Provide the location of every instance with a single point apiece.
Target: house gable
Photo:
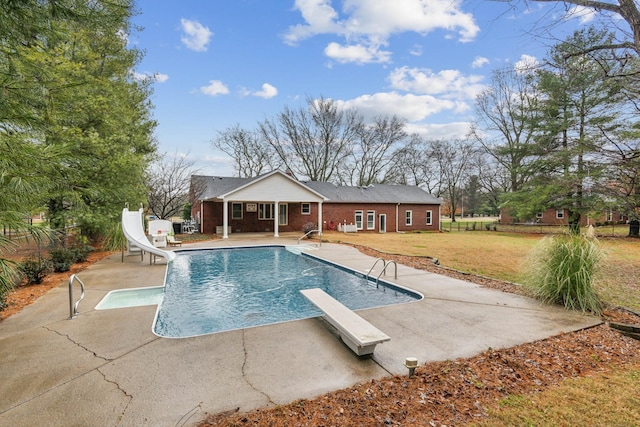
(275, 186)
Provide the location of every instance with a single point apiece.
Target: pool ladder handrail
(307, 236)
(73, 307)
(385, 264)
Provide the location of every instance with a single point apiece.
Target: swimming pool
(215, 290)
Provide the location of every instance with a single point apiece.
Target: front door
(383, 223)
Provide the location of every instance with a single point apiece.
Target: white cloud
(409, 106)
(196, 36)
(450, 84)
(359, 54)
(526, 64)
(215, 87)
(416, 50)
(158, 77)
(583, 14)
(267, 91)
(453, 130)
(479, 62)
(370, 24)
(320, 17)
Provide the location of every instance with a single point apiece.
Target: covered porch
(271, 203)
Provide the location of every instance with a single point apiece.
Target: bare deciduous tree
(412, 165)
(251, 155)
(313, 142)
(626, 9)
(507, 121)
(373, 153)
(168, 183)
(454, 160)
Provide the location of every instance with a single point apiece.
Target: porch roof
(268, 187)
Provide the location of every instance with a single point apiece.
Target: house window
(539, 215)
(429, 217)
(306, 209)
(282, 216)
(559, 213)
(266, 211)
(236, 211)
(371, 220)
(358, 220)
(407, 218)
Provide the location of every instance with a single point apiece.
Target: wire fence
(607, 230)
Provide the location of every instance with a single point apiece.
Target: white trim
(225, 219)
(233, 212)
(276, 220)
(373, 219)
(382, 229)
(261, 212)
(286, 205)
(355, 219)
(320, 218)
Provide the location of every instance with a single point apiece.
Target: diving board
(358, 334)
(134, 232)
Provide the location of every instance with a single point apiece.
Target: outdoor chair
(172, 241)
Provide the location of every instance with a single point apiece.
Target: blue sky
(218, 63)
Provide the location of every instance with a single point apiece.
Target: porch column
(319, 218)
(276, 221)
(225, 219)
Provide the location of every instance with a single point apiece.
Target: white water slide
(134, 232)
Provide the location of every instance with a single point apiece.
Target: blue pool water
(215, 290)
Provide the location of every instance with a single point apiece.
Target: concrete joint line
(244, 377)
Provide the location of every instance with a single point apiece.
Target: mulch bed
(25, 294)
(457, 392)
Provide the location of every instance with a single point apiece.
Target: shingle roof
(374, 193)
(216, 186)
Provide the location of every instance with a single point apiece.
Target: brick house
(276, 202)
(561, 217)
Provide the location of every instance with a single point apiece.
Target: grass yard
(503, 256)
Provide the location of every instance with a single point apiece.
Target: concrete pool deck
(106, 367)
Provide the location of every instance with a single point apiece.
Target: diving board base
(358, 334)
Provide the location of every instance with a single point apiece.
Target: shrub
(563, 270)
(8, 276)
(309, 226)
(62, 259)
(34, 269)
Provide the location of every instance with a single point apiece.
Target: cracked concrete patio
(106, 367)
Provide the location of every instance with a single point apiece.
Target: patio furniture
(172, 241)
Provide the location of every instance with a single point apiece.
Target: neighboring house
(276, 202)
(561, 217)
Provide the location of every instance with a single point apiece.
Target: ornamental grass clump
(563, 270)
